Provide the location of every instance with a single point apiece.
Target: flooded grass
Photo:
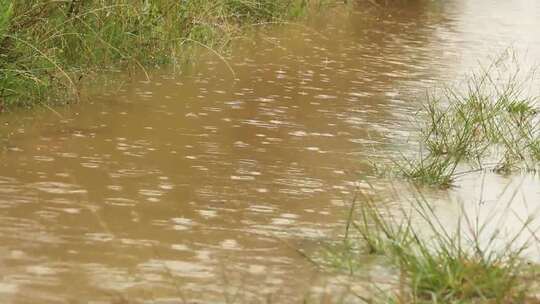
(430, 170)
(493, 125)
(48, 47)
(434, 264)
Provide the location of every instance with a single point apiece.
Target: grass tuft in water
(491, 126)
(435, 265)
(435, 170)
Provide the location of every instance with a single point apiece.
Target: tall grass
(435, 264)
(48, 47)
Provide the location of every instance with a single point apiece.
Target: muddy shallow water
(205, 188)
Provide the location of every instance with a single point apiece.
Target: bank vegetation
(49, 48)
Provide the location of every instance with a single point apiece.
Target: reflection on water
(200, 187)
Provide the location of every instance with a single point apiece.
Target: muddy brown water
(201, 188)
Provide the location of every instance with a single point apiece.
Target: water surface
(207, 185)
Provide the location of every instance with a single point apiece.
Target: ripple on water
(42, 158)
(29, 232)
(40, 270)
(182, 223)
(110, 278)
(120, 201)
(9, 186)
(261, 208)
(298, 182)
(133, 173)
(57, 188)
(282, 221)
(242, 177)
(177, 268)
(180, 247)
(151, 193)
(98, 237)
(8, 288)
(230, 244)
(207, 214)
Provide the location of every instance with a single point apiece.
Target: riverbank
(49, 49)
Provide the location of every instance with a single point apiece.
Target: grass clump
(492, 125)
(433, 170)
(436, 265)
(48, 47)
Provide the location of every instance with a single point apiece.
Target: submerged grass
(48, 47)
(434, 264)
(491, 126)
